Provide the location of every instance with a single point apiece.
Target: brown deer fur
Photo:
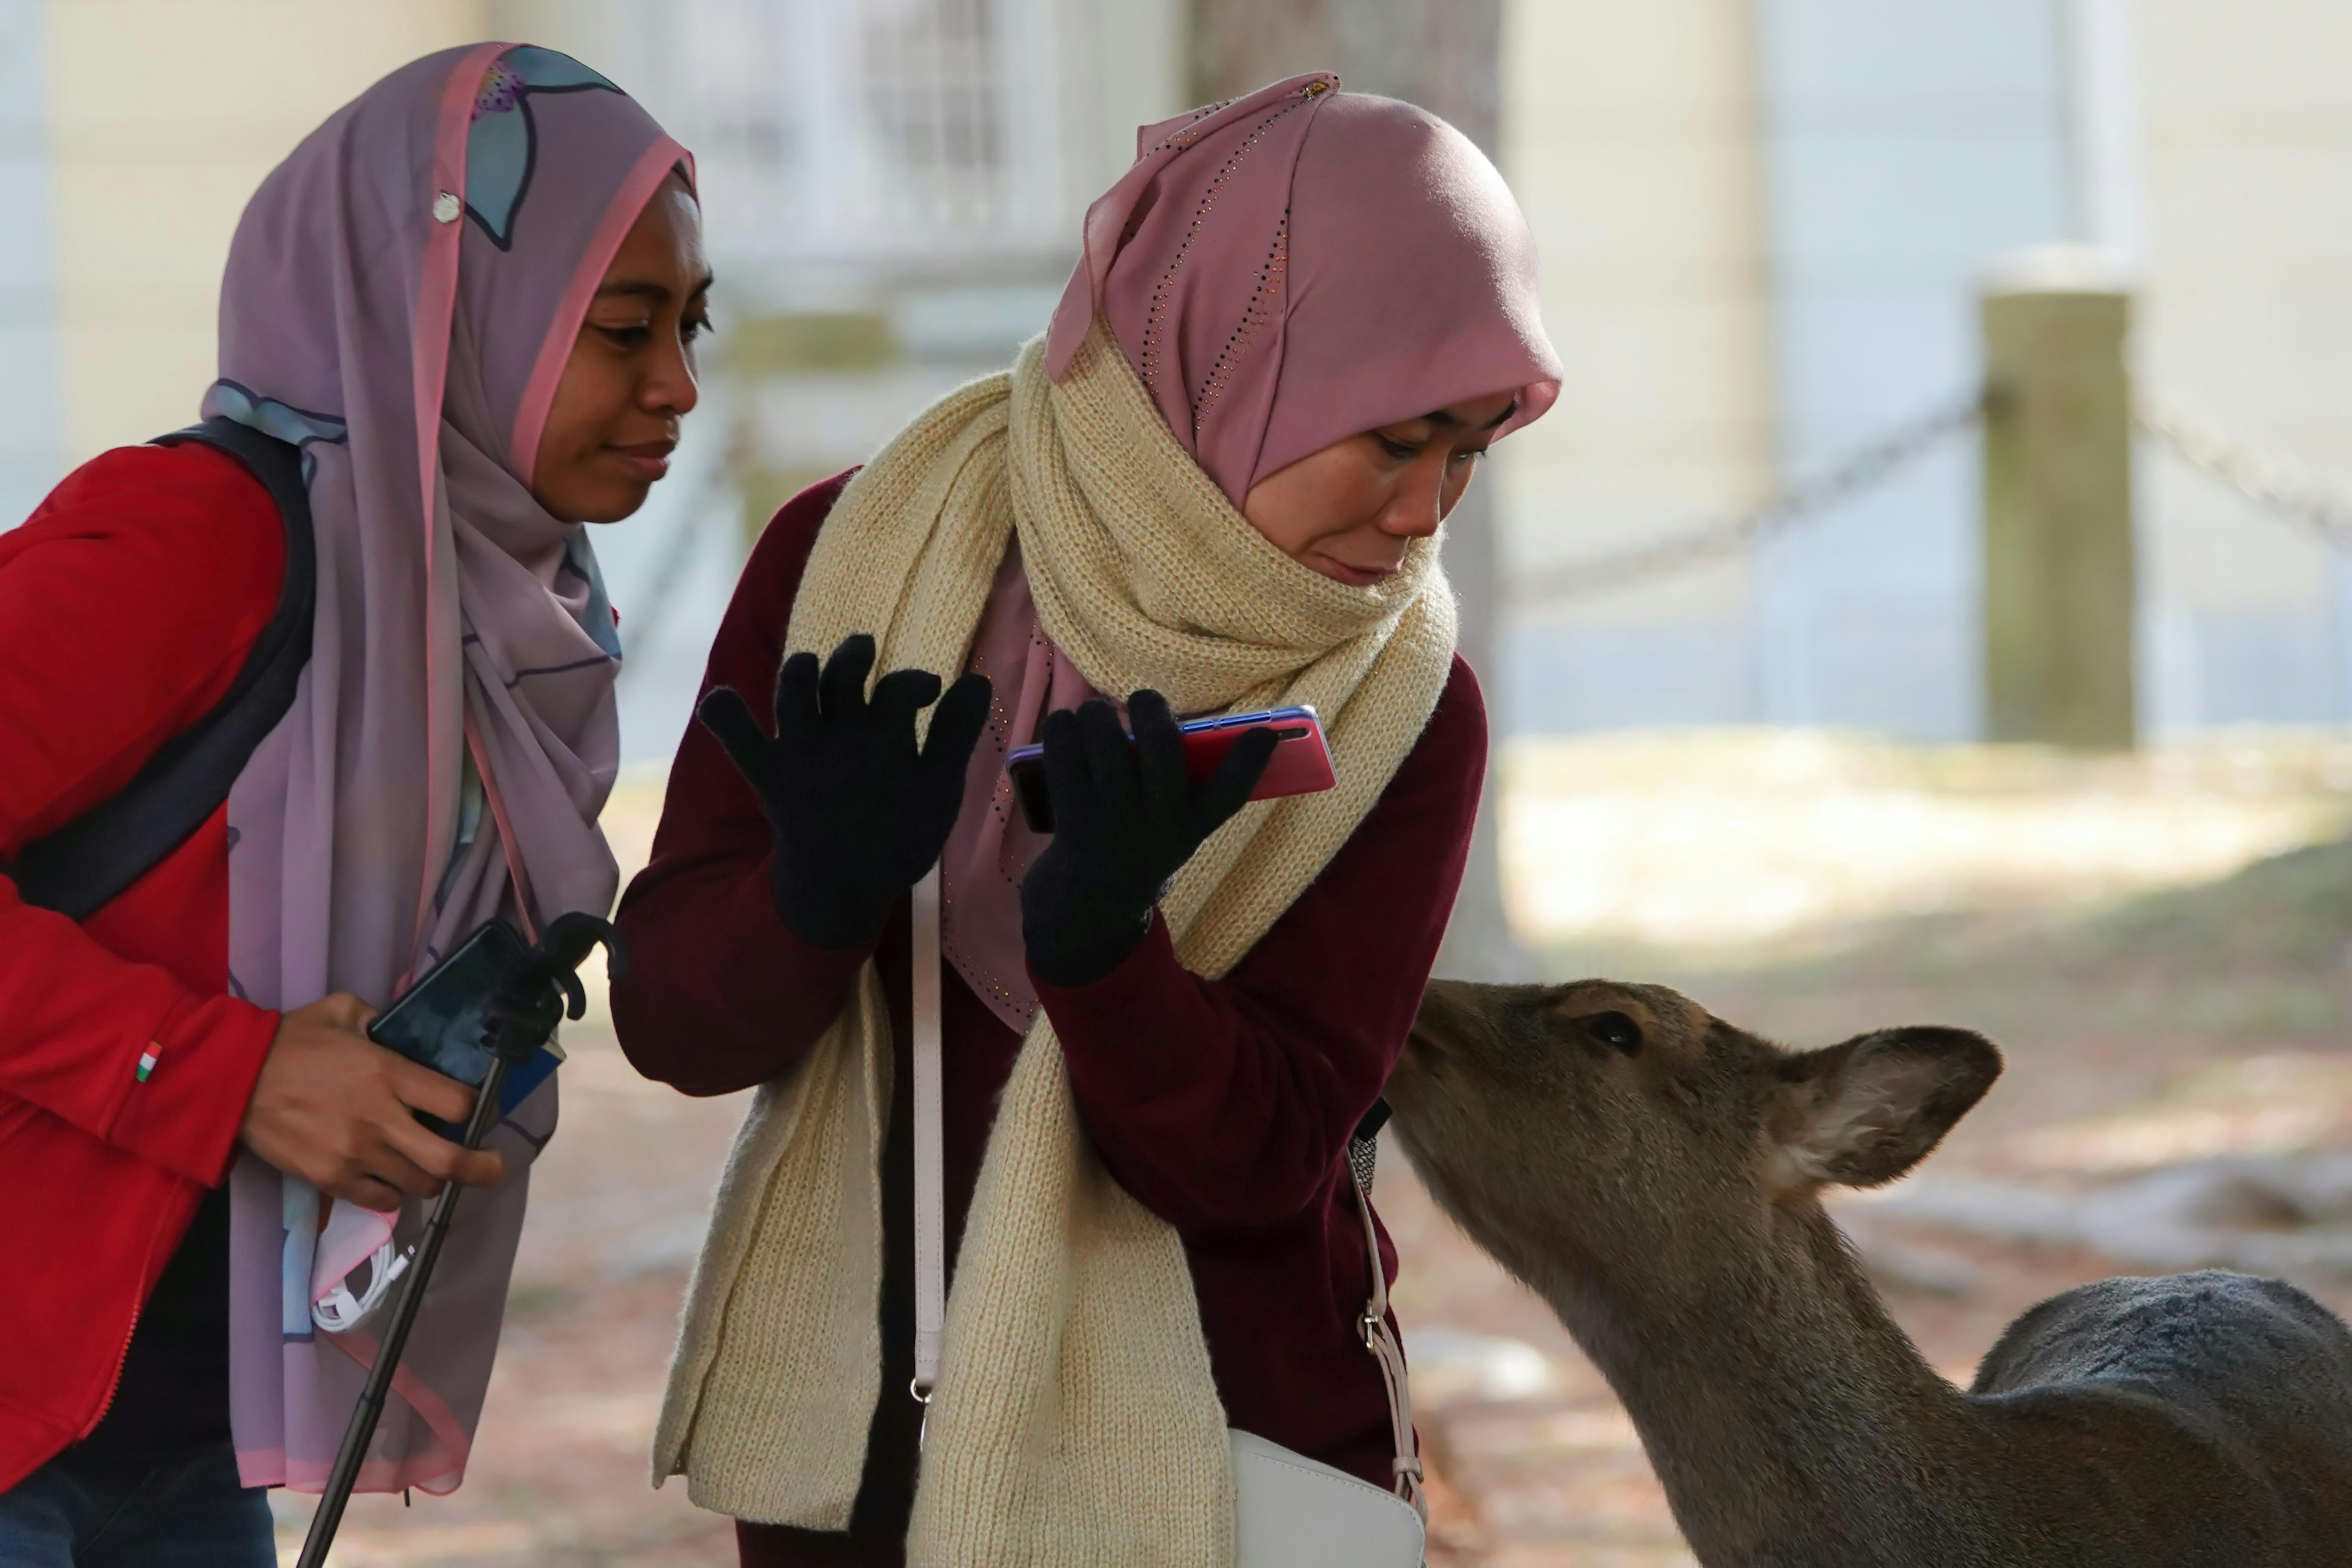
(1654, 1173)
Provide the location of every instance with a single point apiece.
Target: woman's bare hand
(333, 1107)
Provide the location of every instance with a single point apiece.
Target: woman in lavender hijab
(470, 298)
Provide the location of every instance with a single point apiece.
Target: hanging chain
(2281, 486)
(1864, 469)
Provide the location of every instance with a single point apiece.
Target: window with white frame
(885, 131)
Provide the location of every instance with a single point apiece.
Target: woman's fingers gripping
(1069, 784)
(420, 1160)
(1110, 762)
(1228, 789)
(1166, 788)
(421, 1089)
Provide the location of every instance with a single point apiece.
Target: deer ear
(1863, 1112)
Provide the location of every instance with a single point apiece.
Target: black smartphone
(439, 1021)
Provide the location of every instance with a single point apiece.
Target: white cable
(338, 1311)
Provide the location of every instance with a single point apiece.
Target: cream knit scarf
(1075, 1423)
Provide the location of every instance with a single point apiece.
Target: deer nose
(1445, 1005)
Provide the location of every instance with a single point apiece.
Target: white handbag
(1290, 1512)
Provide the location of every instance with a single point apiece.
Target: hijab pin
(446, 207)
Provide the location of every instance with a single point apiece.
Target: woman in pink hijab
(1329, 299)
(469, 299)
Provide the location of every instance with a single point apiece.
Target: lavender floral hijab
(400, 298)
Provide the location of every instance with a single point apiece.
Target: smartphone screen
(1301, 763)
(440, 1021)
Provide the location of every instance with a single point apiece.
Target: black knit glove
(1126, 819)
(859, 813)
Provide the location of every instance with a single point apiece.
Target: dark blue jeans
(89, 1510)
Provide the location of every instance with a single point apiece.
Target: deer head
(1617, 1143)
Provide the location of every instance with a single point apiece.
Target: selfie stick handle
(531, 1004)
(362, 1431)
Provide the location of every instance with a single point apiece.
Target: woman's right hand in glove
(1127, 816)
(859, 812)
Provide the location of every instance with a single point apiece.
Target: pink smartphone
(1301, 763)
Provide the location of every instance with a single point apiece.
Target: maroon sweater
(1223, 1106)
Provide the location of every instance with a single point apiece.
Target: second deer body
(1654, 1173)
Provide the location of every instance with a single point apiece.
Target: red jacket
(1226, 1107)
(128, 602)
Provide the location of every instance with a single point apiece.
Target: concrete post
(2059, 576)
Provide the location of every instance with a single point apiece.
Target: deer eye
(1616, 1031)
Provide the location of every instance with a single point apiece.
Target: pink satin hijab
(1282, 271)
(1304, 264)
(990, 848)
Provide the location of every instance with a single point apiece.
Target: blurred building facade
(895, 191)
(1762, 224)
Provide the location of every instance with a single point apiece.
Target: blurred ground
(2162, 945)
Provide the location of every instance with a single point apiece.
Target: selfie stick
(529, 1005)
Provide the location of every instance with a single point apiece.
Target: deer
(1656, 1175)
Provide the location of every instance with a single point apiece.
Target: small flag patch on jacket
(147, 1059)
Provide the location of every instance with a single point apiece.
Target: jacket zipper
(8, 1125)
(114, 1383)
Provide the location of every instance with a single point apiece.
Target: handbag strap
(930, 1216)
(1381, 1340)
(930, 1207)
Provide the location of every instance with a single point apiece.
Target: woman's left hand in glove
(859, 810)
(1126, 819)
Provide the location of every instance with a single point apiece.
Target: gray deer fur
(1654, 1173)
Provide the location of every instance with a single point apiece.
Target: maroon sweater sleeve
(128, 604)
(1229, 1102)
(722, 995)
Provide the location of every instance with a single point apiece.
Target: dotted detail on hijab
(1155, 323)
(1189, 132)
(1253, 319)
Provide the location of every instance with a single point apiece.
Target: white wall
(162, 116)
(1628, 134)
(1762, 227)
(31, 429)
(2246, 180)
(1908, 143)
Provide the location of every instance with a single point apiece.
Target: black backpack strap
(82, 866)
